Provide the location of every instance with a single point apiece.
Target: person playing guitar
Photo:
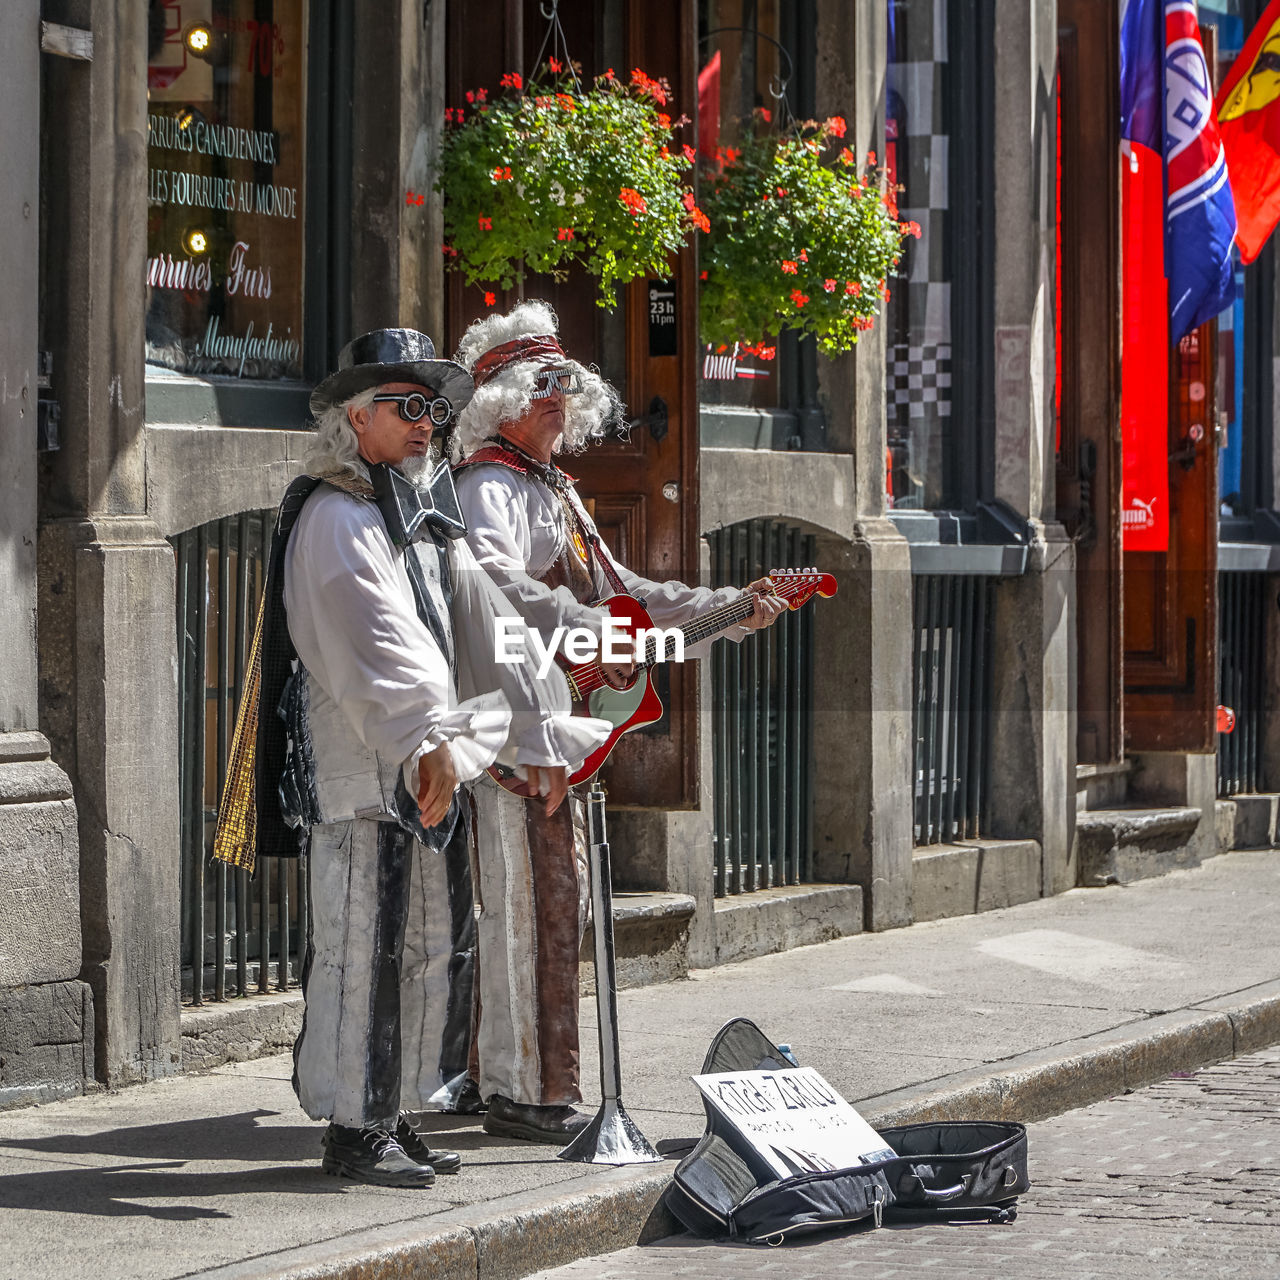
(529, 530)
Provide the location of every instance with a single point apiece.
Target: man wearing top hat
(378, 648)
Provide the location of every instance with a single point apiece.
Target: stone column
(46, 1011)
(108, 646)
(398, 108)
(863, 807)
(1033, 691)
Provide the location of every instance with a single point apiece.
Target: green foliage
(556, 177)
(797, 240)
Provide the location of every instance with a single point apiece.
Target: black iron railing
(951, 686)
(239, 935)
(762, 722)
(1242, 599)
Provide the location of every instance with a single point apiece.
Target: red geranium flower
(485, 224)
(788, 267)
(799, 298)
(564, 233)
(556, 65)
(512, 80)
(633, 201)
(490, 299)
(836, 126)
(829, 286)
(648, 86)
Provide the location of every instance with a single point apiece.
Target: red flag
(1248, 108)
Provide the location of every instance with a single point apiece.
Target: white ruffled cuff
(564, 740)
(475, 731)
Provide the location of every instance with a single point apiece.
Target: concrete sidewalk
(1021, 1013)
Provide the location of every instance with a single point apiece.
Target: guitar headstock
(796, 586)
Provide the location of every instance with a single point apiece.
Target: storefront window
(918, 333)
(225, 229)
(756, 66)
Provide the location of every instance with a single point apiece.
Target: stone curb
(533, 1231)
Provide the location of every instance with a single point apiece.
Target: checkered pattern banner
(919, 315)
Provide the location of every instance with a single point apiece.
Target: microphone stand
(612, 1137)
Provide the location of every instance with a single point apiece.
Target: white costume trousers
(532, 889)
(388, 975)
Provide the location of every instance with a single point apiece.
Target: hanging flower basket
(556, 177)
(798, 240)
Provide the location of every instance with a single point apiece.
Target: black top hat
(392, 355)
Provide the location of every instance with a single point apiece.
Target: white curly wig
(336, 446)
(507, 396)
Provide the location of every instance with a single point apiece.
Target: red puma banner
(1248, 108)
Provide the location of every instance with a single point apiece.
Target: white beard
(418, 469)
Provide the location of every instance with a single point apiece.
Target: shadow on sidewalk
(111, 1191)
(233, 1137)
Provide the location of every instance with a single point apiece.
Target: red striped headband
(495, 360)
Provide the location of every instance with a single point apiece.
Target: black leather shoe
(416, 1149)
(468, 1102)
(507, 1119)
(373, 1156)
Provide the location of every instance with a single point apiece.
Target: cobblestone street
(1179, 1179)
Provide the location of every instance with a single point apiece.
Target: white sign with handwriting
(794, 1119)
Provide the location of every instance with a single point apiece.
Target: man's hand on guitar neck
(769, 607)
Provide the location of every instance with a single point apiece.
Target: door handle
(655, 420)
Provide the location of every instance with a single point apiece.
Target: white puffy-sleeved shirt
(354, 623)
(516, 528)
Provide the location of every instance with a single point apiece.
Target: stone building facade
(922, 469)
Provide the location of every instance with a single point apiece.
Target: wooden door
(1088, 455)
(642, 486)
(1170, 598)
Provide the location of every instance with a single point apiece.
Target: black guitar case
(940, 1171)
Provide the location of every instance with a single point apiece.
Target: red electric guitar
(638, 704)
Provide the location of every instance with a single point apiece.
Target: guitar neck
(703, 628)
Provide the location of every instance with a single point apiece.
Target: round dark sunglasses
(414, 406)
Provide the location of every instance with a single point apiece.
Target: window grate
(762, 726)
(951, 682)
(1241, 679)
(239, 935)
